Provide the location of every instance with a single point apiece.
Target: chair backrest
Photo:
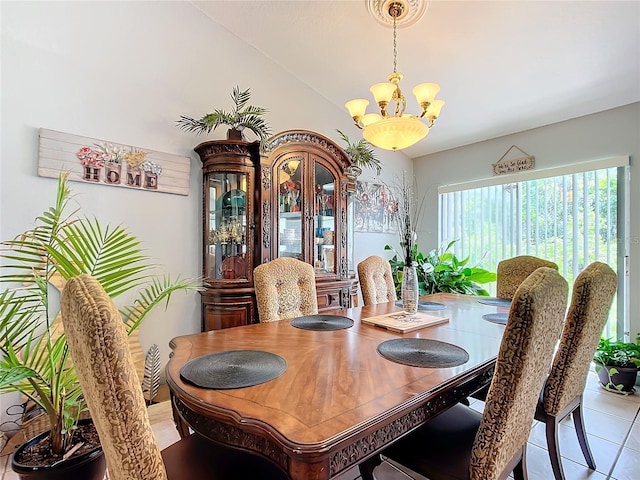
(285, 288)
(593, 292)
(376, 280)
(99, 349)
(512, 272)
(524, 357)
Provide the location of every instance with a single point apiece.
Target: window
(570, 215)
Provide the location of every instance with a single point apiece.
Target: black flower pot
(617, 379)
(88, 466)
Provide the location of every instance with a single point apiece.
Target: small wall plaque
(506, 166)
(113, 164)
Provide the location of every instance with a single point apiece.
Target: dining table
(336, 400)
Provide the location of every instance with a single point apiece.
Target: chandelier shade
(395, 129)
(395, 133)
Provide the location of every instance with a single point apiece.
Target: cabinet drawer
(329, 300)
(224, 309)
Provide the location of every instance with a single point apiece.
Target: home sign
(112, 164)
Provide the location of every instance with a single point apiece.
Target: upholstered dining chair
(285, 288)
(593, 292)
(376, 280)
(461, 443)
(99, 349)
(511, 272)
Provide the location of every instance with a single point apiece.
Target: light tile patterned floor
(612, 422)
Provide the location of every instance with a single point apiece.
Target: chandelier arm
(383, 109)
(401, 102)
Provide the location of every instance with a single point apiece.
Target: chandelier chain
(395, 47)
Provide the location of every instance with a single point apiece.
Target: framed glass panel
(227, 227)
(324, 221)
(290, 208)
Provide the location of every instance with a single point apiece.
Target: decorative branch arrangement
(408, 215)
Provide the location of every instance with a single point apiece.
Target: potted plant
(34, 358)
(361, 154)
(442, 271)
(242, 116)
(617, 364)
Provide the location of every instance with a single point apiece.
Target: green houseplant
(361, 154)
(441, 271)
(34, 358)
(617, 364)
(242, 116)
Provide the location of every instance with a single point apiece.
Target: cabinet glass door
(227, 227)
(324, 221)
(290, 208)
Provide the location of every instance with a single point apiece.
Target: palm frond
(19, 315)
(252, 110)
(158, 291)
(110, 254)
(239, 98)
(191, 125)
(361, 153)
(13, 375)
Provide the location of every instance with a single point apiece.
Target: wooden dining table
(339, 401)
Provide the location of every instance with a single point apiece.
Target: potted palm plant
(361, 154)
(241, 117)
(34, 358)
(617, 364)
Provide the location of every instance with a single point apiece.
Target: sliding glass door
(571, 219)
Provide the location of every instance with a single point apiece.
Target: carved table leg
(181, 425)
(367, 467)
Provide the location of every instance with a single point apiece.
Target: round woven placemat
(426, 305)
(496, 302)
(500, 318)
(423, 352)
(322, 322)
(233, 369)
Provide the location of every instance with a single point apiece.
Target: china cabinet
(306, 211)
(293, 199)
(229, 228)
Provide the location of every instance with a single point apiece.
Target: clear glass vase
(410, 289)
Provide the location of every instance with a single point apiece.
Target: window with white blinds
(571, 215)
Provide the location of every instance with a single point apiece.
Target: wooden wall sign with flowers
(107, 163)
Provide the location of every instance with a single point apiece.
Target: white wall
(124, 72)
(601, 135)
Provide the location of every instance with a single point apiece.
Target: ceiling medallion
(412, 11)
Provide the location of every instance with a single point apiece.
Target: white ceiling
(503, 66)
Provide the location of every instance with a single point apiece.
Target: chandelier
(396, 130)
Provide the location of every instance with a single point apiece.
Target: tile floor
(612, 422)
